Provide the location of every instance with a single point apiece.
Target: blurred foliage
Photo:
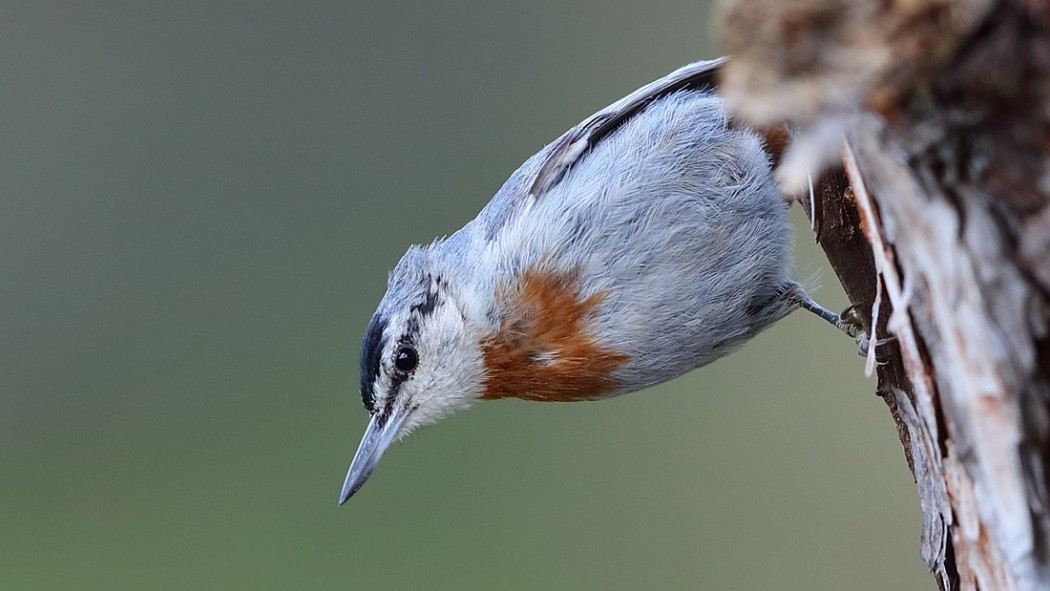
(198, 207)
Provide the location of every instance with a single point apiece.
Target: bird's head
(420, 358)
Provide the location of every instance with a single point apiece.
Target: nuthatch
(645, 242)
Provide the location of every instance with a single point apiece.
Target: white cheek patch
(450, 368)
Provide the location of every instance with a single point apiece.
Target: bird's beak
(378, 436)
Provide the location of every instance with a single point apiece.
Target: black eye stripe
(427, 305)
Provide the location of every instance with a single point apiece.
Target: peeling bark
(931, 122)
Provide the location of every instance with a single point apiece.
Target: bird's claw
(850, 322)
(864, 347)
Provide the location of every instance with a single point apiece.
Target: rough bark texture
(931, 122)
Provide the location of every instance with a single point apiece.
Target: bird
(645, 242)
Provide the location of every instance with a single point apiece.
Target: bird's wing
(569, 148)
(546, 168)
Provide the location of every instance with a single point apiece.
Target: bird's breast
(544, 348)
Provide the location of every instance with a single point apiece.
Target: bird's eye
(406, 358)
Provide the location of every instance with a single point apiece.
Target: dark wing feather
(576, 142)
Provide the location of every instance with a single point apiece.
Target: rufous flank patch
(543, 350)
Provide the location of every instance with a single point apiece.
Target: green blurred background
(198, 206)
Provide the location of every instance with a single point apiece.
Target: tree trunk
(931, 122)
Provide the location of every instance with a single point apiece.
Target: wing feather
(569, 148)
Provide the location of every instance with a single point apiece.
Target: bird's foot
(849, 322)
